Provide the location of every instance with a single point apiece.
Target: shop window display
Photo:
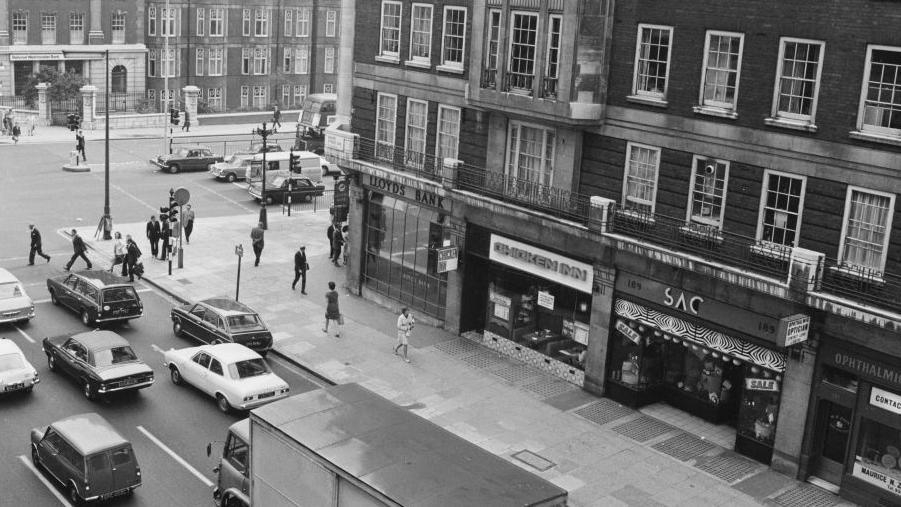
(878, 454)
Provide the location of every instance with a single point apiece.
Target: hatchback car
(16, 373)
(233, 374)
(87, 456)
(15, 305)
(102, 362)
(187, 158)
(222, 320)
(97, 296)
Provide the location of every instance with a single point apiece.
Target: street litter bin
(73, 157)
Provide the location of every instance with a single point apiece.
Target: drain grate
(516, 373)
(483, 360)
(683, 446)
(728, 466)
(535, 461)
(459, 347)
(604, 411)
(806, 496)
(547, 387)
(643, 429)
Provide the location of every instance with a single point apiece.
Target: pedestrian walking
(79, 249)
(16, 133)
(345, 235)
(337, 246)
(186, 125)
(153, 235)
(133, 259)
(35, 245)
(79, 145)
(165, 234)
(118, 253)
(300, 269)
(276, 117)
(405, 324)
(31, 125)
(187, 218)
(332, 312)
(330, 234)
(256, 237)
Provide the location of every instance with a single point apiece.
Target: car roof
(8, 346)
(6, 276)
(100, 278)
(229, 352)
(100, 340)
(88, 433)
(227, 306)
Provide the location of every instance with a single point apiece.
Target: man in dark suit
(300, 269)
(35, 245)
(330, 234)
(79, 248)
(79, 145)
(153, 235)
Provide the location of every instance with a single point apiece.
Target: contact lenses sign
(885, 400)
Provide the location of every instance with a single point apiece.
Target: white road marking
(41, 301)
(208, 483)
(28, 464)
(24, 334)
(218, 194)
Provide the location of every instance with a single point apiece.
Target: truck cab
(233, 485)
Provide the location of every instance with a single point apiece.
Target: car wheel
(53, 298)
(173, 169)
(222, 403)
(51, 362)
(74, 497)
(88, 391)
(35, 458)
(176, 328)
(308, 197)
(175, 375)
(230, 177)
(86, 318)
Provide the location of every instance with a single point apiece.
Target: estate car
(222, 320)
(97, 296)
(16, 373)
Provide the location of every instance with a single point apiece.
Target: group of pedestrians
(338, 243)
(129, 255)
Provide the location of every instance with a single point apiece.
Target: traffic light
(295, 163)
(173, 116)
(169, 213)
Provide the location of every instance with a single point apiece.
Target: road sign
(182, 196)
(447, 259)
(239, 250)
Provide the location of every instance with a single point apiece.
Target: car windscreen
(11, 361)
(278, 181)
(248, 368)
(114, 355)
(119, 294)
(10, 290)
(244, 322)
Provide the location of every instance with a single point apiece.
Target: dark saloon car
(102, 362)
(279, 186)
(97, 296)
(222, 320)
(187, 158)
(87, 456)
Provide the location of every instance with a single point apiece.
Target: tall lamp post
(264, 133)
(107, 217)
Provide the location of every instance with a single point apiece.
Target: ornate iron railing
(489, 78)
(862, 284)
(549, 88)
(519, 83)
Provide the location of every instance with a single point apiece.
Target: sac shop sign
(543, 263)
(423, 197)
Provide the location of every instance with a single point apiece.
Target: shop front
(530, 303)
(856, 439)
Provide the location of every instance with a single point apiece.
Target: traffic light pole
(107, 216)
(263, 133)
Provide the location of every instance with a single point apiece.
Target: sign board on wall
(627, 331)
(885, 400)
(546, 299)
(447, 259)
(540, 262)
(874, 475)
(762, 384)
(792, 330)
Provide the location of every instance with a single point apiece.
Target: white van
(312, 165)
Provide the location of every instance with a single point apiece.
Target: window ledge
(449, 68)
(791, 124)
(716, 111)
(872, 277)
(417, 63)
(387, 59)
(636, 216)
(649, 101)
(710, 234)
(772, 251)
(874, 137)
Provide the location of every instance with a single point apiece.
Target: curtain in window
(866, 229)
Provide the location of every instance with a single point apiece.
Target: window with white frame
(303, 22)
(492, 42)
(166, 100)
(300, 93)
(523, 47)
(722, 67)
(286, 95)
(707, 198)
(151, 62)
(287, 59)
(246, 55)
(797, 80)
(167, 63)
(151, 94)
(866, 230)
(167, 25)
(48, 28)
(20, 27)
(151, 20)
(216, 62)
(261, 23)
(552, 65)
(421, 33)
(385, 126)
(417, 122)
(302, 60)
(448, 140)
(199, 61)
(331, 23)
(781, 204)
(328, 88)
(260, 61)
(260, 99)
(640, 179)
(245, 96)
(201, 21)
(328, 66)
(454, 38)
(214, 99)
(530, 153)
(289, 22)
(217, 22)
(652, 56)
(245, 22)
(389, 40)
(76, 28)
(880, 101)
(117, 26)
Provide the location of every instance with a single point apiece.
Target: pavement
(604, 454)
(56, 134)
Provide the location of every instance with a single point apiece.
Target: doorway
(833, 431)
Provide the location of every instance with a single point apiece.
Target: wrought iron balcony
(549, 88)
(518, 83)
(397, 158)
(489, 78)
(862, 284)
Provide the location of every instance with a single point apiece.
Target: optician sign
(540, 262)
(877, 476)
(885, 400)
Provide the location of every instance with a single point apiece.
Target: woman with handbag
(332, 312)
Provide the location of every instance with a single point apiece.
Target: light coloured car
(16, 373)
(235, 375)
(232, 168)
(15, 305)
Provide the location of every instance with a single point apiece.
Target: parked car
(15, 305)
(87, 456)
(187, 158)
(232, 373)
(271, 147)
(278, 187)
(222, 320)
(97, 296)
(101, 361)
(234, 167)
(16, 373)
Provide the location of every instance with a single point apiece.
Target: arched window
(118, 79)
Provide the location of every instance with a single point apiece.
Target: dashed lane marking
(222, 196)
(24, 335)
(208, 483)
(37, 473)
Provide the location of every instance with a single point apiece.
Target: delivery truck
(344, 446)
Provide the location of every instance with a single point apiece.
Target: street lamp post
(264, 133)
(107, 216)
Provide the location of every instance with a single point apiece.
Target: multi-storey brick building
(244, 56)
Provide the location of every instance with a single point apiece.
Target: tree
(63, 86)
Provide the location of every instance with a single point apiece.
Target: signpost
(239, 251)
(182, 196)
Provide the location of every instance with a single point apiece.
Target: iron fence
(862, 284)
(125, 103)
(312, 204)
(15, 101)
(420, 164)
